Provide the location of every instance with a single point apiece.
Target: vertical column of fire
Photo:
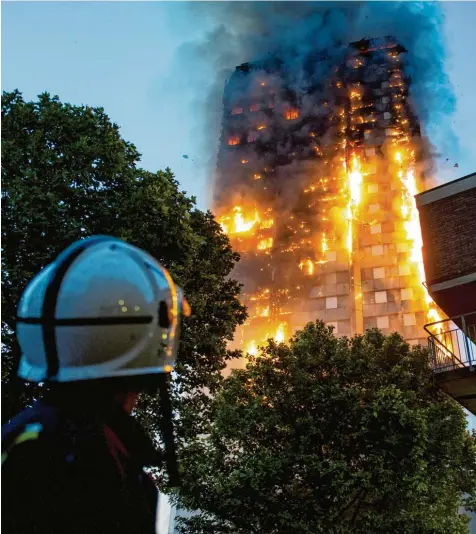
(354, 179)
(404, 165)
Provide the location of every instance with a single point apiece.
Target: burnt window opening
(254, 107)
(234, 140)
(237, 110)
(252, 136)
(291, 114)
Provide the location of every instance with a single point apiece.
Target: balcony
(452, 346)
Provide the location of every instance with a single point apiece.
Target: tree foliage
(67, 174)
(331, 435)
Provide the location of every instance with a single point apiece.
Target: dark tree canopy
(67, 174)
(332, 435)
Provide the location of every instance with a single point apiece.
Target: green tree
(67, 174)
(331, 435)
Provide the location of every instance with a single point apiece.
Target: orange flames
(307, 266)
(280, 335)
(252, 348)
(233, 141)
(238, 223)
(411, 224)
(291, 114)
(344, 191)
(265, 243)
(355, 179)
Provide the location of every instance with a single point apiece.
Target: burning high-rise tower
(317, 171)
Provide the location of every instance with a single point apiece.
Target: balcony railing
(452, 342)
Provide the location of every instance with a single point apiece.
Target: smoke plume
(249, 31)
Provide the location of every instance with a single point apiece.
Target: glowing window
(377, 250)
(255, 107)
(404, 269)
(402, 247)
(331, 255)
(379, 272)
(232, 141)
(331, 303)
(291, 114)
(383, 322)
(372, 188)
(376, 229)
(409, 319)
(380, 297)
(373, 208)
(236, 110)
(406, 294)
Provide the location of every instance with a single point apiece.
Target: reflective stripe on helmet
(62, 264)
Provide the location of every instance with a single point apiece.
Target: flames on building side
(315, 188)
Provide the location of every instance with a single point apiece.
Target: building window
(383, 322)
(236, 110)
(372, 188)
(380, 297)
(252, 137)
(402, 247)
(255, 107)
(404, 269)
(232, 141)
(336, 330)
(331, 255)
(371, 168)
(409, 319)
(370, 152)
(387, 115)
(377, 250)
(331, 303)
(379, 272)
(406, 294)
(291, 114)
(376, 229)
(385, 100)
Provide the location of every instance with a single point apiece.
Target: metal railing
(452, 342)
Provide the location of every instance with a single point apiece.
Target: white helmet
(102, 309)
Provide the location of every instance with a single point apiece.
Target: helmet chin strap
(168, 430)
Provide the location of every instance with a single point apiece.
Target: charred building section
(317, 169)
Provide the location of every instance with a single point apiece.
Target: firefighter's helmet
(102, 309)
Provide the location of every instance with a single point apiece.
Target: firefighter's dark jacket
(76, 469)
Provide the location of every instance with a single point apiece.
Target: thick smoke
(248, 31)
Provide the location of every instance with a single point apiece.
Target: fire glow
(291, 114)
(335, 201)
(238, 223)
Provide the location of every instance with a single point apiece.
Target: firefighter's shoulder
(25, 429)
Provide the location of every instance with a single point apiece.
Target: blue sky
(126, 57)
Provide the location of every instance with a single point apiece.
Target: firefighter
(97, 326)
